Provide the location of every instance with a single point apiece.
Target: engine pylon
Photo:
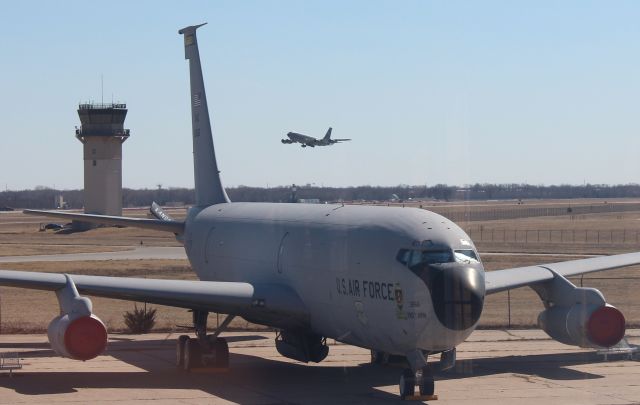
(76, 333)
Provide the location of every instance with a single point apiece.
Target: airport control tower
(102, 134)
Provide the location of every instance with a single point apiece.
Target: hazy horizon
(313, 185)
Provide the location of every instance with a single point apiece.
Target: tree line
(45, 198)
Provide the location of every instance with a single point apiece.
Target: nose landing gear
(423, 379)
(419, 374)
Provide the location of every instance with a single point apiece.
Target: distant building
(59, 202)
(102, 134)
(309, 200)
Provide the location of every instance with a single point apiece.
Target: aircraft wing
(260, 301)
(501, 280)
(156, 224)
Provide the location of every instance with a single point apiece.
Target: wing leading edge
(269, 302)
(156, 224)
(501, 280)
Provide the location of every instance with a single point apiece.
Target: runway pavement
(504, 367)
(136, 253)
(154, 252)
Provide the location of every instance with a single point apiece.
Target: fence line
(480, 214)
(584, 236)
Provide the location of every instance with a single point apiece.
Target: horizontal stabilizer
(159, 213)
(155, 224)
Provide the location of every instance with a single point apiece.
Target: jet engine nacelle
(80, 337)
(584, 325)
(286, 141)
(76, 333)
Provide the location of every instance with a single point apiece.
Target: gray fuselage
(344, 263)
(307, 140)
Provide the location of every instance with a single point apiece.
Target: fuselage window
(466, 256)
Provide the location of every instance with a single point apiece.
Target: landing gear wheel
(407, 383)
(218, 352)
(192, 354)
(182, 340)
(221, 351)
(426, 385)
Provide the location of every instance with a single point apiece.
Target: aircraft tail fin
(208, 186)
(327, 136)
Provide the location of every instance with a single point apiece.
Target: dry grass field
(20, 235)
(451, 206)
(29, 311)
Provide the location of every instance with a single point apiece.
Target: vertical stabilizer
(327, 136)
(208, 186)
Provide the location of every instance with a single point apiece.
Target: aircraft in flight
(399, 281)
(306, 140)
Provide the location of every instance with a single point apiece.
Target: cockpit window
(414, 258)
(404, 256)
(435, 256)
(465, 256)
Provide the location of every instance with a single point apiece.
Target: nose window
(466, 256)
(417, 258)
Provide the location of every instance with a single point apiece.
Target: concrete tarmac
(178, 253)
(504, 367)
(136, 253)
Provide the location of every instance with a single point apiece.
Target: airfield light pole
(102, 134)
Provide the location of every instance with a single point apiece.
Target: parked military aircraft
(400, 281)
(306, 140)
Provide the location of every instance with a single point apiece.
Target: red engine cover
(606, 326)
(85, 338)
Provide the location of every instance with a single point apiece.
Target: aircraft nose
(458, 293)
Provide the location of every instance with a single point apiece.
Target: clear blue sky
(431, 92)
